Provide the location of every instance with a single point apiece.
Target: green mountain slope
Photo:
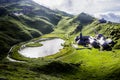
(12, 32)
(88, 25)
(95, 64)
(74, 24)
(22, 20)
(38, 23)
(32, 9)
(84, 18)
(109, 29)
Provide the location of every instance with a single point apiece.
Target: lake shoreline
(48, 48)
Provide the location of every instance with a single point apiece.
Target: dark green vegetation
(23, 20)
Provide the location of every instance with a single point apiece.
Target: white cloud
(110, 17)
(50, 3)
(93, 7)
(77, 6)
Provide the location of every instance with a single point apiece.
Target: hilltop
(87, 25)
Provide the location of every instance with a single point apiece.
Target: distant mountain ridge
(8, 1)
(111, 17)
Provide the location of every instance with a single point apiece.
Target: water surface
(49, 47)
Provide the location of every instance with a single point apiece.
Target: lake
(49, 47)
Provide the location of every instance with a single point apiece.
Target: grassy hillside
(109, 29)
(68, 64)
(32, 9)
(88, 25)
(38, 23)
(84, 18)
(12, 32)
(74, 24)
(22, 20)
(87, 64)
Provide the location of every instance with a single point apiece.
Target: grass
(15, 55)
(71, 64)
(66, 25)
(68, 64)
(96, 65)
(37, 44)
(40, 24)
(21, 71)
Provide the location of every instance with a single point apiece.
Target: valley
(23, 22)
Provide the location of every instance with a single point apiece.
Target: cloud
(92, 7)
(77, 6)
(50, 3)
(111, 17)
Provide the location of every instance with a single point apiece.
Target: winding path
(10, 59)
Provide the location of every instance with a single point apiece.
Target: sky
(97, 8)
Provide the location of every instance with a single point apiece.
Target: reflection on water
(49, 47)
